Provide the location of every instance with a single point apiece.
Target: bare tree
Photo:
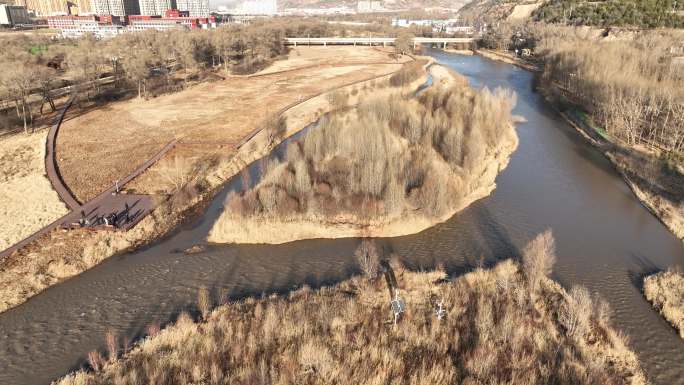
(403, 44)
(204, 302)
(539, 256)
(367, 257)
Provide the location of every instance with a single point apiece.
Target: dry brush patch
(498, 328)
(665, 290)
(391, 159)
(27, 200)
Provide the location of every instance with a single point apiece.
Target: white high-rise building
(155, 7)
(115, 7)
(197, 8)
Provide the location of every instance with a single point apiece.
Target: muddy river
(606, 241)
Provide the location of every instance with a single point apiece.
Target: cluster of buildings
(44, 8)
(450, 26)
(104, 26)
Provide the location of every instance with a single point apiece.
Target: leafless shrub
(177, 172)
(112, 345)
(95, 360)
(276, 128)
(204, 301)
(575, 314)
(338, 99)
(368, 259)
(153, 329)
(539, 256)
(407, 74)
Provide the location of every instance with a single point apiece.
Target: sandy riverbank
(230, 228)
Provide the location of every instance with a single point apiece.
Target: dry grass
(420, 157)
(60, 255)
(496, 330)
(27, 200)
(665, 290)
(94, 150)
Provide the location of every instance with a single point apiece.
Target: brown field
(27, 200)
(500, 327)
(103, 145)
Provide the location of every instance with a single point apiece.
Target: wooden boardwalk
(132, 207)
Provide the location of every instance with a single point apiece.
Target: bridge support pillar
(325, 44)
(444, 45)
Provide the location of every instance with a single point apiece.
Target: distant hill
(608, 13)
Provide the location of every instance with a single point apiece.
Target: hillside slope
(609, 13)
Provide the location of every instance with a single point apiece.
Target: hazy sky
(216, 3)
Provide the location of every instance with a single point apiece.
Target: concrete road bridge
(443, 41)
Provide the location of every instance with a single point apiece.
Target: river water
(605, 240)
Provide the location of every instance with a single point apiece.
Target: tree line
(614, 13)
(140, 62)
(630, 83)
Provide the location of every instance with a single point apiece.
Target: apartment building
(156, 7)
(196, 8)
(45, 7)
(12, 15)
(115, 7)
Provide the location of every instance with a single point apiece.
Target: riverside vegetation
(508, 324)
(625, 90)
(665, 290)
(394, 165)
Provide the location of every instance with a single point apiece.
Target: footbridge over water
(443, 41)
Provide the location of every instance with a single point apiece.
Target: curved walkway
(51, 163)
(106, 203)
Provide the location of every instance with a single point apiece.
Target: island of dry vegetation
(394, 165)
(509, 324)
(665, 290)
